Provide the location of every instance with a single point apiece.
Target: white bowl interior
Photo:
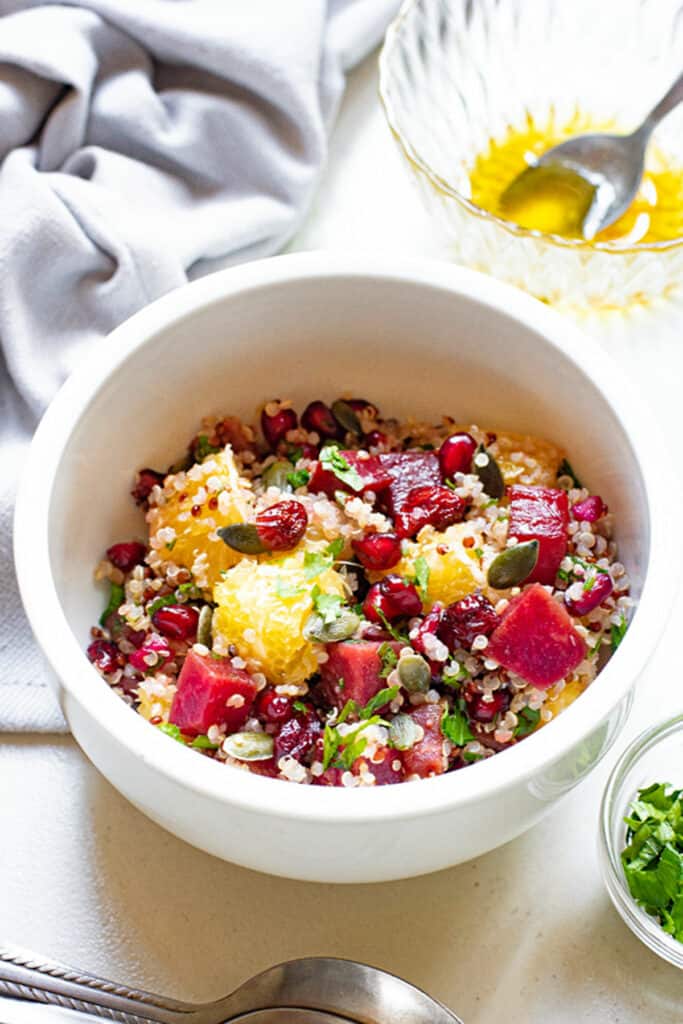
(414, 349)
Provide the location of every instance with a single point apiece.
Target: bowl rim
(413, 156)
(643, 926)
(253, 793)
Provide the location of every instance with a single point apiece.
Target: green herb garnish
(300, 707)
(391, 630)
(653, 856)
(565, 469)
(378, 701)
(283, 589)
(421, 573)
(116, 598)
(203, 743)
(328, 606)
(389, 659)
(456, 728)
(160, 602)
(455, 678)
(618, 632)
(294, 455)
(171, 730)
(332, 459)
(202, 448)
(316, 562)
(298, 478)
(527, 720)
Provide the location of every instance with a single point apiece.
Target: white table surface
(525, 935)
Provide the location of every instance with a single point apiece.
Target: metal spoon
(313, 991)
(612, 164)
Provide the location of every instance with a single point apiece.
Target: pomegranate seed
(282, 526)
(429, 506)
(602, 588)
(378, 551)
(177, 621)
(590, 509)
(376, 439)
(153, 645)
(195, 511)
(146, 481)
(127, 555)
(316, 416)
(472, 616)
(483, 710)
(297, 737)
(394, 598)
(104, 656)
(456, 454)
(273, 707)
(275, 427)
(428, 627)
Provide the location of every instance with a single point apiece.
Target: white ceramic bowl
(416, 338)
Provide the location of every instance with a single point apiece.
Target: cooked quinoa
(343, 599)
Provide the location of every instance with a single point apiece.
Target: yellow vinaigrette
(557, 202)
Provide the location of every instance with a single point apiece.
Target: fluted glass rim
(645, 927)
(392, 41)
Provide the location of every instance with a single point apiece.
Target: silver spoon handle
(667, 103)
(25, 976)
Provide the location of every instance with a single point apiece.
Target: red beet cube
(542, 514)
(374, 476)
(407, 471)
(427, 757)
(358, 665)
(211, 692)
(385, 765)
(536, 639)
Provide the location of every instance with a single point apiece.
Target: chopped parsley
(189, 590)
(618, 632)
(171, 730)
(384, 696)
(653, 856)
(341, 750)
(316, 562)
(455, 678)
(527, 720)
(171, 544)
(284, 589)
(389, 659)
(160, 602)
(294, 455)
(456, 728)
(391, 630)
(298, 478)
(203, 743)
(328, 606)
(301, 708)
(116, 598)
(421, 573)
(332, 460)
(202, 448)
(565, 469)
(479, 552)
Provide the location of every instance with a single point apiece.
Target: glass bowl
(654, 756)
(455, 75)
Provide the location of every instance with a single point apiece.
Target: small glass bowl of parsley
(641, 832)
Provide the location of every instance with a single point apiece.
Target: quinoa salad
(341, 599)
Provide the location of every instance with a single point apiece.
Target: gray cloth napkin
(140, 140)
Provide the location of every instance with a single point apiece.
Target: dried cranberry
(127, 555)
(155, 645)
(456, 454)
(600, 589)
(146, 481)
(177, 621)
(275, 427)
(590, 509)
(378, 551)
(472, 616)
(274, 707)
(297, 737)
(318, 417)
(282, 526)
(483, 709)
(393, 597)
(428, 627)
(429, 506)
(104, 656)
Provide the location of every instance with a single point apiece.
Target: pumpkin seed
(204, 635)
(249, 746)
(512, 566)
(344, 626)
(346, 417)
(489, 473)
(276, 475)
(414, 673)
(404, 732)
(242, 537)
